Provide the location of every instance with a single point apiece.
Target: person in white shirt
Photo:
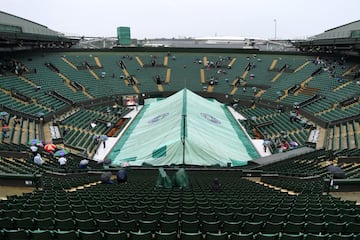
(62, 161)
(38, 160)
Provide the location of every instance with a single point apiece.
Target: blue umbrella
(104, 137)
(3, 113)
(35, 142)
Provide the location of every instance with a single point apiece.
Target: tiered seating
(279, 123)
(25, 165)
(21, 130)
(344, 136)
(138, 209)
(80, 132)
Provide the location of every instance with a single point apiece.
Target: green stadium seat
(294, 228)
(6, 223)
(191, 236)
(337, 236)
(109, 225)
(211, 227)
(148, 225)
(314, 227)
(190, 226)
(272, 227)
(119, 235)
(169, 226)
(128, 225)
(314, 236)
(140, 235)
(16, 234)
(41, 235)
(23, 223)
(267, 236)
(93, 235)
(66, 235)
(241, 236)
(216, 236)
(166, 235)
(289, 236)
(65, 224)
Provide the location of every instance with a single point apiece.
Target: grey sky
(188, 18)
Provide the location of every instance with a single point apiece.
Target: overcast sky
(188, 18)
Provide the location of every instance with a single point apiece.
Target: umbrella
(336, 171)
(107, 162)
(49, 147)
(61, 153)
(104, 137)
(3, 113)
(35, 142)
(41, 114)
(33, 148)
(84, 162)
(293, 143)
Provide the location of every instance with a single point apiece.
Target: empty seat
(212, 227)
(128, 225)
(148, 225)
(66, 235)
(41, 235)
(216, 236)
(166, 235)
(109, 225)
(15, 234)
(191, 236)
(169, 226)
(119, 235)
(252, 227)
(190, 226)
(231, 227)
(140, 236)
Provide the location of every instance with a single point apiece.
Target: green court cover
(184, 129)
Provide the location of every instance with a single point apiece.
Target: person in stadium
(38, 160)
(83, 164)
(216, 185)
(106, 177)
(62, 161)
(180, 179)
(121, 176)
(285, 145)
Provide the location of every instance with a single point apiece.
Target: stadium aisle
(258, 143)
(102, 152)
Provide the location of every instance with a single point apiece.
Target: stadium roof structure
(184, 129)
(17, 33)
(344, 39)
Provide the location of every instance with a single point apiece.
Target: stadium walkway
(102, 152)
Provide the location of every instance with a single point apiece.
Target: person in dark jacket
(216, 185)
(121, 176)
